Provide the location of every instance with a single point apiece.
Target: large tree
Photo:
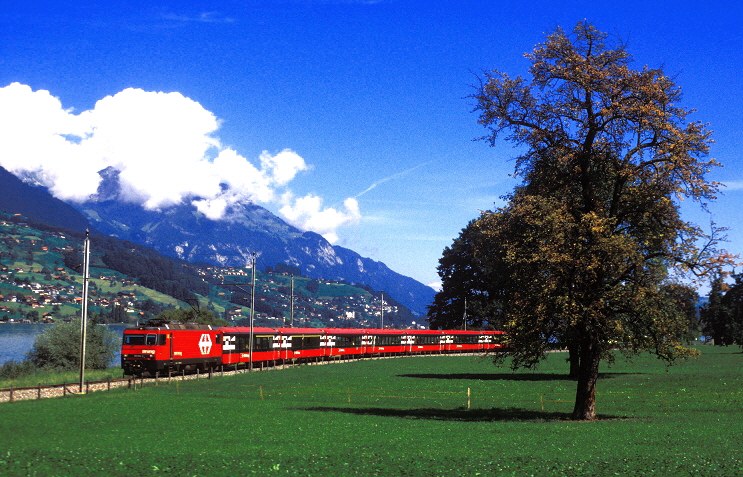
(733, 303)
(469, 296)
(714, 315)
(722, 315)
(592, 238)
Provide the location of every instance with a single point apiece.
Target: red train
(170, 348)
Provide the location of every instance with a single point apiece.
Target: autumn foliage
(589, 249)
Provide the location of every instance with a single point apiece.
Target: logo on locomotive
(205, 343)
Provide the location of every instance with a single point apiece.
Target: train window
(305, 342)
(466, 339)
(427, 339)
(154, 340)
(347, 341)
(386, 340)
(146, 340)
(263, 343)
(134, 339)
(243, 343)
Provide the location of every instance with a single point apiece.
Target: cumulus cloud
(309, 210)
(165, 149)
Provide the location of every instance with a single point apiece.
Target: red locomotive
(152, 350)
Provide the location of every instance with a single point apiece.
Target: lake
(17, 339)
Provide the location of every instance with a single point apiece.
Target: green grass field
(394, 417)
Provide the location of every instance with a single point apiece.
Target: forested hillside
(41, 280)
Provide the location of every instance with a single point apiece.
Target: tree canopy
(470, 291)
(183, 315)
(58, 348)
(722, 315)
(588, 249)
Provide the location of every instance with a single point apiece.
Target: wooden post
(469, 395)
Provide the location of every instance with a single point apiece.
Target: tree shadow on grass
(491, 376)
(506, 376)
(461, 414)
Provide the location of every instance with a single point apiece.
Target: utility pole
(253, 258)
(291, 306)
(382, 309)
(464, 317)
(252, 314)
(84, 311)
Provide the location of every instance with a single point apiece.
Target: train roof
(174, 326)
(306, 331)
(246, 329)
(349, 331)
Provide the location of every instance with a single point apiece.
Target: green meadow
(417, 416)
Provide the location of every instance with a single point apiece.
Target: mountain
(37, 204)
(40, 281)
(181, 231)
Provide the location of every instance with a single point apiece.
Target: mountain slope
(37, 204)
(181, 231)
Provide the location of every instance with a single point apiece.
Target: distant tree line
(184, 315)
(284, 268)
(722, 315)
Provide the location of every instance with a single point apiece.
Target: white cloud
(308, 210)
(165, 148)
(732, 185)
(203, 17)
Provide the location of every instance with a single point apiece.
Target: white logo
(205, 344)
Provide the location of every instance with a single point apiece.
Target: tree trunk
(588, 373)
(574, 361)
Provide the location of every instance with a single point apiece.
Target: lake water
(17, 339)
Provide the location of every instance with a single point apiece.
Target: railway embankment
(13, 394)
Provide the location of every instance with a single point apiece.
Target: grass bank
(47, 378)
(403, 416)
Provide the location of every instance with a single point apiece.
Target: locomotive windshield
(147, 340)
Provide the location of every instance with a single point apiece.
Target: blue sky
(346, 117)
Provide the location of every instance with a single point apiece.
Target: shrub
(14, 370)
(59, 347)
